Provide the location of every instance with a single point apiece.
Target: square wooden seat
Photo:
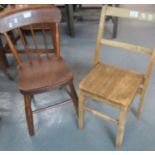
(112, 83)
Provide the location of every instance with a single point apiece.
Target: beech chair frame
(144, 78)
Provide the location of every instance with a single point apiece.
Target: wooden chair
(113, 85)
(38, 73)
(4, 49)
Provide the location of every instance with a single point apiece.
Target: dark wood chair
(38, 72)
(6, 9)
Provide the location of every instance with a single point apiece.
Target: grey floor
(57, 129)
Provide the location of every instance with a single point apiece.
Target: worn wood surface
(42, 74)
(111, 83)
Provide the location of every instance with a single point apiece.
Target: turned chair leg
(29, 115)
(71, 91)
(81, 111)
(121, 127)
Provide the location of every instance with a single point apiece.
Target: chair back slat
(27, 17)
(56, 38)
(130, 13)
(45, 40)
(127, 46)
(34, 40)
(23, 40)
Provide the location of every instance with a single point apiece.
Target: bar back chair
(114, 85)
(37, 72)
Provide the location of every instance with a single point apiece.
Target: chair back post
(146, 82)
(100, 34)
(13, 49)
(149, 72)
(56, 38)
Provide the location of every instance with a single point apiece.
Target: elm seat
(42, 74)
(111, 83)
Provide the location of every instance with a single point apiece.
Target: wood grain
(112, 83)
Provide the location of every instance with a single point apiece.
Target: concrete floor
(57, 129)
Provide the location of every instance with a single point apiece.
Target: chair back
(125, 13)
(28, 23)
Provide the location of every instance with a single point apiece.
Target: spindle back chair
(38, 73)
(114, 85)
(29, 19)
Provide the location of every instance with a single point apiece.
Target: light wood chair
(42, 69)
(113, 85)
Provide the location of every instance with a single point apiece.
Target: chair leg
(121, 127)
(81, 111)
(71, 91)
(29, 115)
(140, 107)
